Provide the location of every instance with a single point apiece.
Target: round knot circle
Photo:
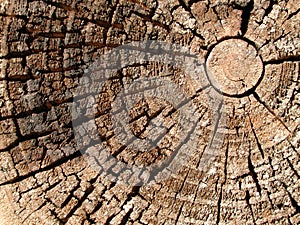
(234, 67)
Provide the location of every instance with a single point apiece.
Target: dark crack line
(182, 185)
(281, 37)
(291, 58)
(188, 9)
(270, 163)
(70, 196)
(253, 173)
(270, 200)
(270, 8)
(256, 96)
(45, 108)
(154, 22)
(247, 198)
(294, 148)
(246, 14)
(179, 213)
(126, 218)
(46, 168)
(293, 14)
(214, 8)
(135, 191)
(100, 203)
(294, 203)
(293, 168)
(89, 190)
(141, 213)
(256, 138)
(219, 205)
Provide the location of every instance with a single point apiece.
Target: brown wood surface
(45, 47)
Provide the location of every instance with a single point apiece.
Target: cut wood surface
(250, 52)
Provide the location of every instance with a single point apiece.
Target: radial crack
(256, 138)
(253, 173)
(246, 17)
(256, 96)
(291, 58)
(247, 198)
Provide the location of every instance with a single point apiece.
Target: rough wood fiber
(45, 47)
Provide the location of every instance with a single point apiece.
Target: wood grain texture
(45, 48)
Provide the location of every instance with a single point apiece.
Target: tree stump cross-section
(248, 53)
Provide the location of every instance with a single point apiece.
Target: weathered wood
(47, 45)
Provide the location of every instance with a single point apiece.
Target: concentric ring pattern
(46, 47)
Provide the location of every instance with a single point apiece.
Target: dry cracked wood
(46, 46)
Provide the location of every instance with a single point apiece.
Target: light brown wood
(46, 47)
(235, 67)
